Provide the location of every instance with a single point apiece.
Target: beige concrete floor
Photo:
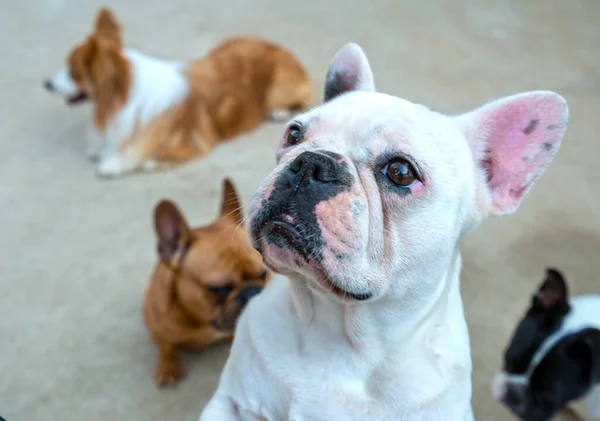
(76, 251)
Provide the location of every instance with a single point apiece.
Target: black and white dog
(553, 358)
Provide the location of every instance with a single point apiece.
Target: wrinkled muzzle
(309, 221)
(288, 217)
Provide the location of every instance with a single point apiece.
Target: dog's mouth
(78, 98)
(284, 232)
(330, 286)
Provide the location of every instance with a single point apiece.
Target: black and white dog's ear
(585, 349)
(552, 292)
(349, 71)
(593, 341)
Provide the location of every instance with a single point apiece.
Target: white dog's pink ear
(514, 140)
(349, 71)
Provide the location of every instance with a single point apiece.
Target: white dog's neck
(387, 323)
(414, 348)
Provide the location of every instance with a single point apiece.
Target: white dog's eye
(400, 172)
(294, 135)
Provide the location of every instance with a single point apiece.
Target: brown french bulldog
(202, 281)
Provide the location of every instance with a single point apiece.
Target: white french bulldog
(363, 215)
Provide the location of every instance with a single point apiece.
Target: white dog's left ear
(349, 71)
(514, 139)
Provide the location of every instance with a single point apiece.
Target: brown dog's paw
(168, 373)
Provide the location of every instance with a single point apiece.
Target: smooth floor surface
(77, 251)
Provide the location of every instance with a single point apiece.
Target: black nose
(315, 167)
(48, 85)
(247, 293)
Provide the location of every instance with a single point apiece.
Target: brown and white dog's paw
(94, 147)
(109, 167)
(94, 155)
(94, 152)
(114, 166)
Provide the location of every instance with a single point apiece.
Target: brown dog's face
(216, 263)
(96, 68)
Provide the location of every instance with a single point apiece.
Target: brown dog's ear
(107, 27)
(172, 231)
(553, 290)
(230, 203)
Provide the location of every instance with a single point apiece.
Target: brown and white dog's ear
(552, 292)
(107, 27)
(349, 71)
(230, 203)
(172, 231)
(513, 140)
(110, 76)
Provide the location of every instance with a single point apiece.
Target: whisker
(234, 211)
(233, 231)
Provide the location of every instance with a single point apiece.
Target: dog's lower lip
(361, 297)
(284, 230)
(76, 99)
(287, 225)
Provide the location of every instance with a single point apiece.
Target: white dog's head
(372, 193)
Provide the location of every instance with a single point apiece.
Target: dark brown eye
(294, 136)
(221, 291)
(400, 172)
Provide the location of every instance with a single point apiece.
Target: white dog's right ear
(514, 139)
(349, 71)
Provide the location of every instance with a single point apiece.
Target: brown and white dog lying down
(150, 113)
(202, 281)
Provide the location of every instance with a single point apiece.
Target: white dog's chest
(287, 378)
(283, 372)
(592, 404)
